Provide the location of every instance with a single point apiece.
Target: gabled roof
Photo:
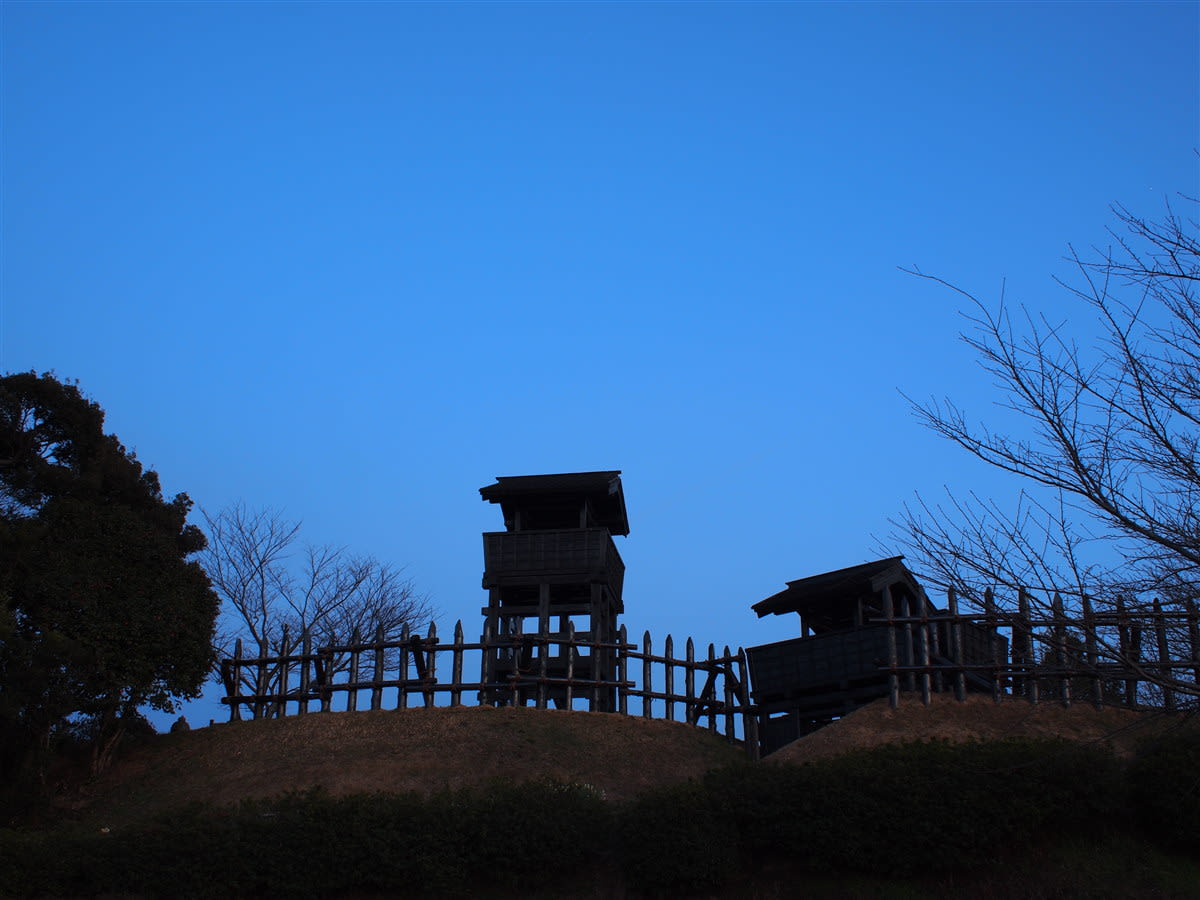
(840, 584)
(603, 489)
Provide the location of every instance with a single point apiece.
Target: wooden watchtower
(555, 563)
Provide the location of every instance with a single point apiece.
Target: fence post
(1193, 623)
(487, 668)
(956, 646)
(279, 701)
(1028, 659)
(749, 716)
(689, 680)
(669, 689)
(622, 670)
(991, 622)
(595, 657)
(355, 659)
(1059, 636)
(910, 656)
(457, 666)
(925, 675)
(235, 707)
(712, 662)
(377, 674)
(727, 695)
(1092, 651)
(936, 651)
(305, 659)
(1164, 657)
(889, 615)
(1130, 636)
(402, 664)
(260, 681)
(570, 664)
(647, 675)
(429, 651)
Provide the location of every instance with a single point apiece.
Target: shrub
(674, 842)
(1163, 782)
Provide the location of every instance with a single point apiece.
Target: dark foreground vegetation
(883, 820)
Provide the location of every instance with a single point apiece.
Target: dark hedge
(897, 810)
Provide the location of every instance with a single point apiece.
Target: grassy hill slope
(421, 750)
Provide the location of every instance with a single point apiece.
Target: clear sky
(354, 260)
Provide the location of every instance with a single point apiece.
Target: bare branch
(1111, 454)
(266, 583)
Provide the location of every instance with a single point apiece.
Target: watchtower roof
(601, 489)
(817, 593)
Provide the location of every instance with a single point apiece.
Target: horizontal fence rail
(1143, 656)
(709, 690)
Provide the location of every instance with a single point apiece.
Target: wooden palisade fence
(1127, 656)
(1119, 656)
(709, 691)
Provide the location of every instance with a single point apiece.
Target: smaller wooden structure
(555, 566)
(840, 661)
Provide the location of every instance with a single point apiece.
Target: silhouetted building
(555, 563)
(838, 662)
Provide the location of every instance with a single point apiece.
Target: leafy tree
(1110, 456)
(100, 610)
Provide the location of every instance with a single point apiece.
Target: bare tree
(1109, 460)
(268, 581)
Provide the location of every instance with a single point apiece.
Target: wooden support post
(598, 624)
(1091, 649)
(893, 677)
(520, 652)
(543, 614)
(543, 648)
(622, 671)
(570, 698)
(596, 655)
(1165, 672)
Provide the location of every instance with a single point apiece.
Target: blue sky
(355, 260)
